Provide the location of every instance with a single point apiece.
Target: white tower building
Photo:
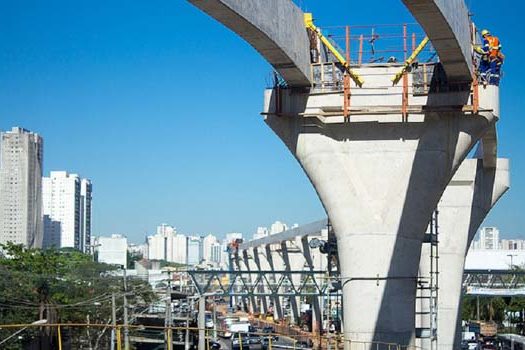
(207, 246)
(86, 189)
(21, 159)
(489, 238)
(67, 211)
(167, 245)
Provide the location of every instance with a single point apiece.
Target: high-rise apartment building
(167, 245)
(489, 238)
(21, 161)
(207, 245)
(67, 211)
(216, 253)
(86, 189)
(194, 250)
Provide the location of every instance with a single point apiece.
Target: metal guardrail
(61, 331)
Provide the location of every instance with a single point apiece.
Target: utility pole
(169, 319)
(202, 322)
(214, 321)
(477, 307)
(187, 335)
(126, 329)
(114, 320)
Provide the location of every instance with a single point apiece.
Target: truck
(484, 328)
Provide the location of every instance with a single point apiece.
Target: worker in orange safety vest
(491, 58)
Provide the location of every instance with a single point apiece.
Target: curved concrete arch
(447, 24)
(275, 28)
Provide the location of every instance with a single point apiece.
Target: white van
(237, 327)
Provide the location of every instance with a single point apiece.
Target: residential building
(67, 211)
(112, 250)
(278, 227)
(216, 253)
(194, 250)
(86, 189)
(207, 245)
(261, 233)
(489, 238)
(513, 244)
(230, 237)
(167, 245)
(21, 162)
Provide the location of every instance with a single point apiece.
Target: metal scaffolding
(428, 287)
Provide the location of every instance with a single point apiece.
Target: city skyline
(113, 94)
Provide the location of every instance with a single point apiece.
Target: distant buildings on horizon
(166, 244)
(488, 239)
(39, 211)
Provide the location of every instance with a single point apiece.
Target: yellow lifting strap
(309, 23)
(410, 60)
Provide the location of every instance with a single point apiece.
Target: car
(208, 320)
(254, 338)
(268, 329)
(240, 339)
(215, 345)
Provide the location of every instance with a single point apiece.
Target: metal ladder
(428, 287)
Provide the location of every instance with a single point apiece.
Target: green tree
(61, 286)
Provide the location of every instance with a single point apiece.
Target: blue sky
(159, 105)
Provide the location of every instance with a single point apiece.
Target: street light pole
(126, 329)
(169, 319)
(114, 320)
(187, 335)
(39, 322)
(202, 322)
(511, 259)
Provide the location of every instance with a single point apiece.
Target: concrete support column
(239, 263)
(316, 308)
(262, 265)
(379, 179)
(276, 263)
(293, 261)
(251, 266)
(469, 197)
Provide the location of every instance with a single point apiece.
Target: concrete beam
(447, 24)
(467, 200)
(312, 229)
(275, 28)
(379, 179)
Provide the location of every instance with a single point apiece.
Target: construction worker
(491, 58)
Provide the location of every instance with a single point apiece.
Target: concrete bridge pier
(251, 265)
(276, 264)
(294, 261)
(313, 265)
(241, 266)
(469, 197)
(379, 177)
(262, 265)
